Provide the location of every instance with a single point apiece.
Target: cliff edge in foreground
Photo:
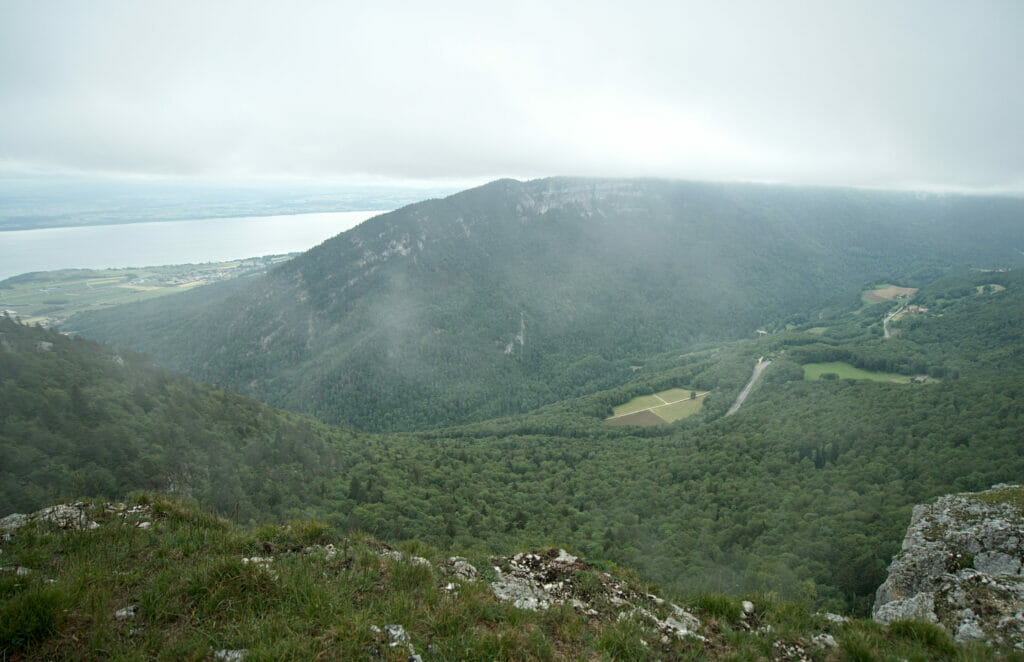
(960, 567)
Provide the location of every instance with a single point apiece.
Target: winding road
(758, 369)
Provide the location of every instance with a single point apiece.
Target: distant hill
(515, 294)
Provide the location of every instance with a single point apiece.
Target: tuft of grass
(859, 647)
(29, 616)
(623, 640)
(719, 606)
(588, 585)
(925, 634)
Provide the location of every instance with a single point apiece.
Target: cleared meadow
(659, 408)
(814, 371)
(887, 292)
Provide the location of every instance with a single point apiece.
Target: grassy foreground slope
(161, 579)
(500, 299)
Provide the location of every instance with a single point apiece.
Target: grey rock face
(997, 563)
(960, 566)
(66, 516)
(462, 568)
(538, 580)
(921, 607)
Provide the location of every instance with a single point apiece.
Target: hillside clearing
(658, 408)
(815, 371)
(887, 293)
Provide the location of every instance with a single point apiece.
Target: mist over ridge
(414, 316)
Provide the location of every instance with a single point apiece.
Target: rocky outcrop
(960, 567)
(537, 580)
(66, 516)
(77, 516)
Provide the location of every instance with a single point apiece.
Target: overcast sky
(889, 93)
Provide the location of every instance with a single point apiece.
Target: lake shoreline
(156, 243)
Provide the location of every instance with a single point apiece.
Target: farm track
(758, 369)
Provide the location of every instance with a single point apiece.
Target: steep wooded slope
(508, 296)
(78, 418)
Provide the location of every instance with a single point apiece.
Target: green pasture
(669, 405)
(814, 371)
(680, 410)
(637, 404)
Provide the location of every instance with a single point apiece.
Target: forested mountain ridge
(515, 294)
(805, 491)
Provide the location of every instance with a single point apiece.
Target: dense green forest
(513, 295)
(806, 491)
(78, 418)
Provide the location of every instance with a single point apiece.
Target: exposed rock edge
(960, 567)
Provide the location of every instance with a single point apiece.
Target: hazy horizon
(914, 95)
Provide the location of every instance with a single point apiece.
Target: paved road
(758, 369)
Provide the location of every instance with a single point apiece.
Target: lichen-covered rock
(537, 580)
(960, 566)
(920, 607)
(461, 568)
(65, 515)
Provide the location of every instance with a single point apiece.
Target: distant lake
(168, 242)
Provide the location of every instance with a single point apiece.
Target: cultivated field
(50, 297)
(887, 292)
(991, 287)
(657, 409)
(814, 371)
